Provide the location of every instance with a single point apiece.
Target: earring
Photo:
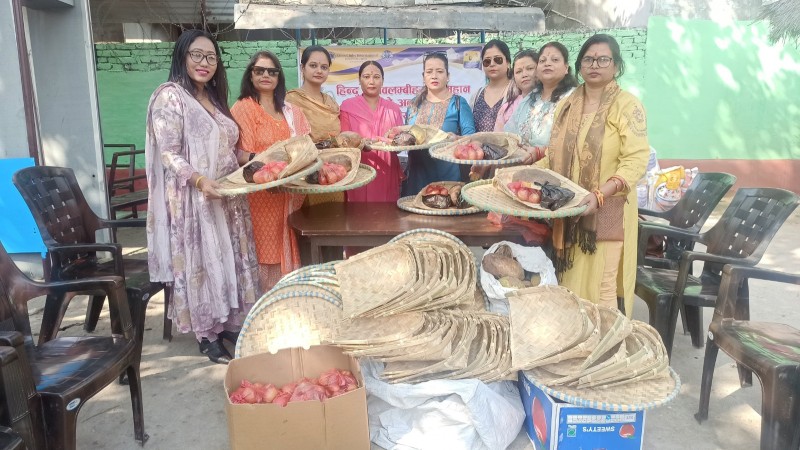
(214, 83)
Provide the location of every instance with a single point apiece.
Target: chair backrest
(58, 205)
(700, 199)
(749, 223)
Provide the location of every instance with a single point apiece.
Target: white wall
(13, 135)
(66, 90)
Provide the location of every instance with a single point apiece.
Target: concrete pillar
(13, 136)
(66, 90)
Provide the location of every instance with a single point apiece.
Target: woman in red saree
(372, 116)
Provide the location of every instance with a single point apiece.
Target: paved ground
(183, 395)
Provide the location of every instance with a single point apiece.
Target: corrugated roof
(160, 11)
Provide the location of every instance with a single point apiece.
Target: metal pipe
(483, 37)
(458, 36)
(385, 37)
(26, 79)
(297, 36)
(313, 36)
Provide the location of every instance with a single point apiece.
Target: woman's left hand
(591, 204)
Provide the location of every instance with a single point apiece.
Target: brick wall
(236, 54)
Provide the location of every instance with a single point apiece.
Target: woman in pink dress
(372, 116)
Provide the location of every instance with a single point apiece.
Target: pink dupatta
(356, 115)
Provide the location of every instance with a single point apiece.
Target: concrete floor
(183, 394)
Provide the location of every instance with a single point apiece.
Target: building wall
(13, 135)
(66, 91)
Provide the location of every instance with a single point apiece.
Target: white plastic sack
(441, 414)
(532, 259)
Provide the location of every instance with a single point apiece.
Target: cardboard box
(552, 424)
(338, 423)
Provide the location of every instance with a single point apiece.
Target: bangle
(621, 180)
(197, 182)
(600, 197)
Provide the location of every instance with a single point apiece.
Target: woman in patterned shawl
(265, 118)
(198, 242)
(599, 140)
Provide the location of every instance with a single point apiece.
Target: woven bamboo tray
(436, 136)
(292, 320)
(487, 197)
(230, 188)
(407, 204)
(630, 397)
(363, 177)
(516, 155)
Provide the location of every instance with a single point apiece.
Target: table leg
(316, 252)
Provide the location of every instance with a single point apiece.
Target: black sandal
(215, 351)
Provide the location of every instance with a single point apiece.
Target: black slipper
(215, 351)
(230, 336)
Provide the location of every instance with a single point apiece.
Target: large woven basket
(298, 151)
(515, 155)
(487, 197)
(433, 137)
(530, 174)
(291, 320)
(363, 176)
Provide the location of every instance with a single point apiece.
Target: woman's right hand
(208, 188)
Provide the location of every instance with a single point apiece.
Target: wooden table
(373, 224)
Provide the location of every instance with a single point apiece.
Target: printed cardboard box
(552, 424)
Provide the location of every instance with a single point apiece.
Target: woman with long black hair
(198, 242)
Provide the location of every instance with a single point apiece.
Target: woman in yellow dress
(320, 108)
(599, 140)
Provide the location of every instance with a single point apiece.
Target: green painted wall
(721, 91)
(710, 90)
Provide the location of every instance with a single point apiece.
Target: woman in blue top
(437, 107)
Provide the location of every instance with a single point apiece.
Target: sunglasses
(271, 71)
(497, 60)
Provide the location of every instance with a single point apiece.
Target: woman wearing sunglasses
(599, 140)
(265, 117)
(198, 242)
(488, 100)
(436, 106)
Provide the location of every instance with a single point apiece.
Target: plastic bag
(532, 259)
(666, 187)
(439, 414)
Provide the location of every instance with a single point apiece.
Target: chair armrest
(732, 277)
(688, 258)
(654, 213)
(647, 229)
(11, 339)
(121, 223)
(71, 249)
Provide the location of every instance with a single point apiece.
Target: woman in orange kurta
(264, 118)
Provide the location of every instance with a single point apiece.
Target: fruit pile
(330, 384)
(476, 150)
(259, 172)
(525, 191)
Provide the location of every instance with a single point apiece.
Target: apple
(535, 196)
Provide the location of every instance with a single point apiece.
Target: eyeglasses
(497, 60)
(272, 71)
(198, 57)
(602, 62)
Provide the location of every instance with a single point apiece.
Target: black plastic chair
(68, 227)
(690, 213)
(771, 350)
(740, 237)
(53, 380)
